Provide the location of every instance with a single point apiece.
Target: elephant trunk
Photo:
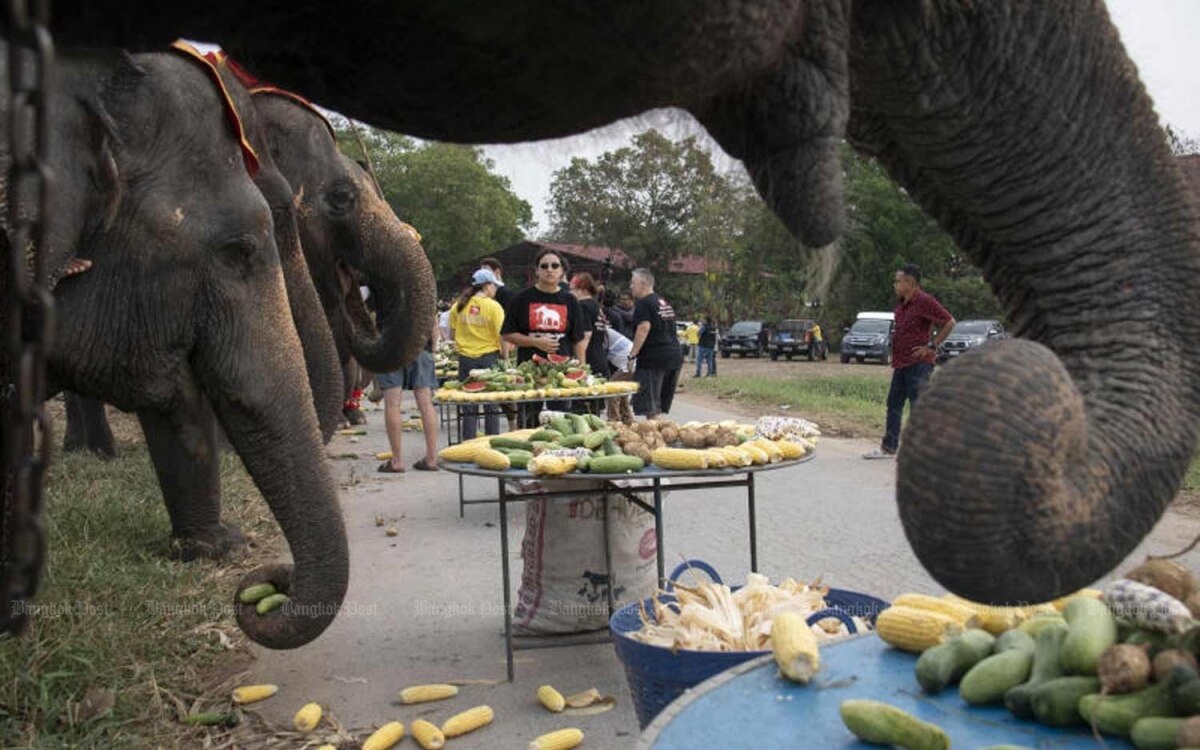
(255, 379)
(1031, 469)
(402, 283)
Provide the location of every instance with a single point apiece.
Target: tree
(449, 192)
(1182, 143)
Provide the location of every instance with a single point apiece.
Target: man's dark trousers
(907, 383)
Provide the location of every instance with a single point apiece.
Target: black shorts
(656, 390)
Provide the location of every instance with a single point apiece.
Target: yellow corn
(757, 455)
(551, 698)
(490, 458)
(767, 446)
(383, 456)
(1061, 604)
(427, 735)
(385, 736)
(326, 747)
(679, 458)
(795, 647)
(460, 453)
(308, 717)
(993, 619)
(552, 465)
(563, 739)
(716, 458)
(467, 721)
(912, 629)
(967, 615)
(735, 456)
(426, 693)
(253, 693)
(789, 449)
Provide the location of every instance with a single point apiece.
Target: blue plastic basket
(658, 676)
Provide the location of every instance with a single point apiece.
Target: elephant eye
(340, 198)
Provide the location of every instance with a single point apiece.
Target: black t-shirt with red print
(536, 313)
(661, 349)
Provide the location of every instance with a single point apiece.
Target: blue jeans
(907, 383)
(709, 355)
(468, 416)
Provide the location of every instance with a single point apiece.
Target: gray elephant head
(351, 236)
(1031, 467)
(185, 304)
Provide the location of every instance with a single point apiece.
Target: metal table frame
(709, 479)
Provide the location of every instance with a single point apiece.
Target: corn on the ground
(795, 647)
(385, 737)
(967, 615)
(426, 693)
(563, 739)
(912, 629)
(679, 458)
(490, 458)
(253, 693)
(467, 721)
(551, 698)
(427, 735)
(308, 717)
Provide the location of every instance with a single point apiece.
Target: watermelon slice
(575, 374)
(540, 360)
(558, 359)
(474, 387)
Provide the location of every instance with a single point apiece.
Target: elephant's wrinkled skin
(1032, 467)
(184, 316)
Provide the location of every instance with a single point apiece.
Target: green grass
(1191, 482)
(850, 405)
(114, 613)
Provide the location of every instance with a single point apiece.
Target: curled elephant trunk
(401, 279)
(1031, 469)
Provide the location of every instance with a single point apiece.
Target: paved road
(425, 605)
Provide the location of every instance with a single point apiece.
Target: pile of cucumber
(585, 437)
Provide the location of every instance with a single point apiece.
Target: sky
(1161, 36)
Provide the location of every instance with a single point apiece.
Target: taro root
(691, 437)
(1167, 576)
(1165, 661)
(1188, 734)
(1123, 668)
(670, 433)
(725, 436)
(1193, 604)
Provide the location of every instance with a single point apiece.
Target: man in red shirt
(917, 314)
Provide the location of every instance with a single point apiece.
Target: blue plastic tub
(657, 676)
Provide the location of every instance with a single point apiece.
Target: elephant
(1031, 467)
(184, 315)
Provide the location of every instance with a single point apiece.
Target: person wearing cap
(475, 322)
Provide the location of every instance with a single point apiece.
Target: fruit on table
(253, 693)
(426, 693)
(462, 452)
(945, 664)
(679, 458)
(965, 615)
(474, 387)
(1055, 702)
(912, 629)
(885, 724)
(1046, 667)
(1146, 607)
(1091, 628)
(490, 458)
(468, 721)
(1123, 669)
(385, 737)
(1116, 714)
(1156, 732)
(795, 647)
(990, 679)
(1167, 576)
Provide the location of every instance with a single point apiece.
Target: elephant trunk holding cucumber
(1031, 466)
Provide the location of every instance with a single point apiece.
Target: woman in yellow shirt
(475, 321)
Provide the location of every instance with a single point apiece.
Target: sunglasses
(547, 266)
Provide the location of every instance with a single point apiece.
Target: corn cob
(790, 450)
(427, 735)
(253, 693)
(966, 615)
(384, 737)
(490, 458)
(563, 739)
(912, 629)
(1146, 607)
(461, 453)
(426, 693)
(326, 747)
(994, 619)
(735, 457)
(774, 454)
(308, 717)
(716, 458)
(795, 647)
(552, 465)
(757, 455)
(467, 721)
(1061, 603)
(551, 699)
(679, 458)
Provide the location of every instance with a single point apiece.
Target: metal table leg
(508, 642)
(753, 523)
(461, 501)
(658, 530)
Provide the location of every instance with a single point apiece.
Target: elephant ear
(107, 146)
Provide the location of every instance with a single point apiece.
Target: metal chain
(27, 316)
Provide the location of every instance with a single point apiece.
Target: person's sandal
(387, 468)
(420, 465)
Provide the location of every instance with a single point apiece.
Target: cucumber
(1116, 714)
(615, 464)
(596, 439)
(1036, 624)
(507, 442)
(546, 434)
(252, 594)
(1045, 667)
(1185, 691)
(579, 424)
(1155, 642)
(1015, 639)
(611, 448)
(562, 425)
(1155, 733)
(272, 602)
(572, 441)
(595, 422)
(1055, 703)
(518, 459)
(943, 665)
(883, 724)
(990, 679)
(1091, 629)
(582, 463)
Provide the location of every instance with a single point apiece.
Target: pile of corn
(712, 617)
(609, 388)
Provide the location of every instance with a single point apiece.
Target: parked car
(745, 337)
(968, 334)
(869, 338)
(793, 338)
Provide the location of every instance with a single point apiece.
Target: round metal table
(751, 706)
(653, 476)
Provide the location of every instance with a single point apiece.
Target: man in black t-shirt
(655, 348)
(553, 318)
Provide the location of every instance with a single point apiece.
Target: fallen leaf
(96, 701)
(589, 702)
